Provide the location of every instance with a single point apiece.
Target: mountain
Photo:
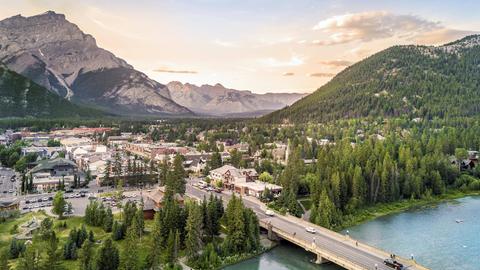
(56, 54)
(220, 101)
(21, 97)
(414, 81)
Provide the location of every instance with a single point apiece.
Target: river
(432, 234)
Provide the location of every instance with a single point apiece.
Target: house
(48, 173)
(196, 162)
(153, 201)
(230, 175)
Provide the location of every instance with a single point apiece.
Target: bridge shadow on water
(286, 256)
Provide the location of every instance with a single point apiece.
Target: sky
(257, 45)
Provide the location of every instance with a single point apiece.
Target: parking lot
(78, 200)
(8, 182)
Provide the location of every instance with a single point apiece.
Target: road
(339, 245)
(8, 188)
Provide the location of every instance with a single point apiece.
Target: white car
(269, 213)
(310, 230)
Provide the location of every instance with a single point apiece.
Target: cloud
(441, 36)
(166, 70)
(336, 63)
(273, 62)
(223, 43)
(288, 74)
(373, 25)
(320, 74)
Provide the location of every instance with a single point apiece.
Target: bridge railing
(347, 239)
(338, 260)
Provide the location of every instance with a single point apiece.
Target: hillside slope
(414, 81)
(21, 97)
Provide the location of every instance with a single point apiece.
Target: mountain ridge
(58, 55)
(408, 80)
(21, 97)
(221, 101)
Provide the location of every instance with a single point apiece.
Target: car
(45, 199)
(310, 230)
(82, 195)
(25, 207)
(269, 213)
(39, 200)
(393, 264)
(11, 191)
(76, 195)
(27, 201)
(50, 198)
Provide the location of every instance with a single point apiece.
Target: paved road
(341, 246)
(7, 187)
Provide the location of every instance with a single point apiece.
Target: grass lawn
(306, 202)
(62, 234)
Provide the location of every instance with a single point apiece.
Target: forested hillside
(416, 81)
(20, 97)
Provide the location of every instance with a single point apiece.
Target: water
(431, 234)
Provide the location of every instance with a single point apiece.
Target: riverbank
(372, 212)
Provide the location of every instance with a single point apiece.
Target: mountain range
(220, 101)
(408, 81)
(56, 54)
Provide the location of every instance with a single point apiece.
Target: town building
(48, 173)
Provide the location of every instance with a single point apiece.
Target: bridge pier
(271, 235)
(320, 259)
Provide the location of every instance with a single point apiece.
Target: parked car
(310, 230)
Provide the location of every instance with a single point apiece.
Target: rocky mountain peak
(58, 55)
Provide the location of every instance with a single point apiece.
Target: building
(118, 140)
(196, 162)
(9, 204)
(48, 173)
(243, 181)
(153, 201)
(42, 152)
(256, 188)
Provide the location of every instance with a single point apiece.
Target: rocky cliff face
(221, 101)
(56, 54)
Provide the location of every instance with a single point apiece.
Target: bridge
(327, 245)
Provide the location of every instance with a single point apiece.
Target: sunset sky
(258, 45)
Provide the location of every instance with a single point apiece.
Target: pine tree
(52, 261)
(129, 259)
(87, 255)
(108, 220)
(194, 228)
(29, 260)
(107, 257)
(157, 241)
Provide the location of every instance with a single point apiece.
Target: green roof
(48, 164)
